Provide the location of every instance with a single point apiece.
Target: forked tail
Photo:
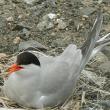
(90, 43)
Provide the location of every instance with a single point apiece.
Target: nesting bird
(48, 81)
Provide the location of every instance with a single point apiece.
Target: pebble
(47, 22)
(10, 19)
(31, 44)
(105, 67)
(87, 11)
(61, 24)
(2, 55)
(30, 2)
(17, 40)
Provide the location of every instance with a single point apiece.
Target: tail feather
(103, 38)
(90, 43)
(101, 43)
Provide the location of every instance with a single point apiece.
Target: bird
(48, 81)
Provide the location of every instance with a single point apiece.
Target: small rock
(61, 24)
(16, 40)
(50, 25)
(105, 67)
(41, 26)
(53, 34)
(47, 22)
(10, 19)
(31, 44)
(49, 16)
(45, 25)
(87, 11)
(2, 55)
(26, 32)
(52, 15)
(20, 16)
(30, 2)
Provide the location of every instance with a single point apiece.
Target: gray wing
(57, 73)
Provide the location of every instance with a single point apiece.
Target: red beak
(14, 68)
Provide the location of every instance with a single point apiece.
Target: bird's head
(23, 59)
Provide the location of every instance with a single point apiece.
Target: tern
(48, 81)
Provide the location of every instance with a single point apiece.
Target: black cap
(26, 58)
